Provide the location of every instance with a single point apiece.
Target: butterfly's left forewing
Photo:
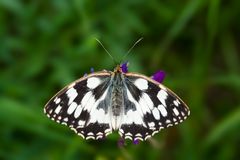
(149, 107)
(83, 106)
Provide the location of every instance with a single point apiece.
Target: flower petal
(159, 76)
(124, 67)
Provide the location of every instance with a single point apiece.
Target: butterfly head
(118, 69)
(122, 68)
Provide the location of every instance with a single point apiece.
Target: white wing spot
(178, 101)
(141, 84)
(156, 113)
(65, 119)
(81, 123)
(72, 94)
(163, 110)
(108, 130)
(121, 130)
(148, 136)
(128, 137)
(72, 108)
(99, 137)
(175, 103)
(90, 134)
(138, 135)
(143, 105)
(99, 133)
(162, 96)
(90, 104)
(93, 82)
(74, 130)
(50, 111)
(154, 133)
(182, 113)
(128, 134)
(57, 100)
(57, 110)
(99, 115)
(148, 101)
(81, 135)
(140, 138)
(78, 111)
(133, 117)
(175, 111)
(151, 124)
(86, 98)
(168, 121)
(90, 137)
(120, 134)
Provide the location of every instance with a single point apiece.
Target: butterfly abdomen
(117, 100)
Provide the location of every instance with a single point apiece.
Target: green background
(44, 45)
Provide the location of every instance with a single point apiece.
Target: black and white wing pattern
(83, 106)
(149, 107)
(135, 105)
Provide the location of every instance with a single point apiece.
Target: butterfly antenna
(106, 50)
(131, 48)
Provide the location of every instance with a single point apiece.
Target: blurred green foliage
(45, 45)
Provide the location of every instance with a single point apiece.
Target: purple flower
(135, 141)
(121, 142)
(91, 69)
(159, 76)
(124, 67)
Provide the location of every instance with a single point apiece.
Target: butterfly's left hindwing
(149, 107)
(83, 106)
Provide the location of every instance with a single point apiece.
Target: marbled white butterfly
(102, 102)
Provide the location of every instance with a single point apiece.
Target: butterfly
(102, 102)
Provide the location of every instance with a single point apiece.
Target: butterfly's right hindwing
(82, 106)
